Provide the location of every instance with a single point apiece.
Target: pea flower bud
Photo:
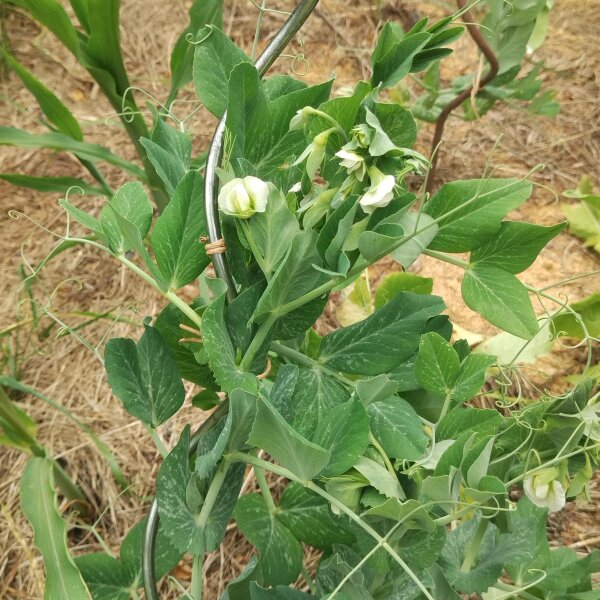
(544, 490)
(315, 153)
(242, 198)
(380, 193)
(301, 118)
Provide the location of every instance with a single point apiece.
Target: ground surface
(336, 40)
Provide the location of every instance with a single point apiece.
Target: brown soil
(337, 40)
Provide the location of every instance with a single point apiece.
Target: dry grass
(337, 40)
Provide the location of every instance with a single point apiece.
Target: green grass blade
(56, 112)
(11, 136)
(103, 449)
(59, 185)
(38, 500)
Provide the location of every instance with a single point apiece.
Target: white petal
(557, 498)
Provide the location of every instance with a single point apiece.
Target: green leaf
(391, 285)
(52, 15)
(295, 276)
(280, 552)
(61, 185)
(174, 485)
(279, 593)
(423, 230)
(202, 12)
(456, 422)
(584, 222)
(472, 376)
(272, 433)
(393, 58)
(38, 500)
(379, 477)
(11, 136)
(17, 428)
(309, 518)
(398, 428)
(273, 229)
(437, 365)
(515, 246)
(132, 204)
(588, 310)
(382, 341)
(175, 238)
(169, 150)
(214, 59)
(315, 396)
(508, 348)
(220, 351)
(470, 212)
(500, 298)
(144, 377)
(54, 110)
(345, 433)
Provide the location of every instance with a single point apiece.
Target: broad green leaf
(377, 388)
(190, 356)
(392, 59)
(295, 276)
(584, 222)
(391, 285)
(588, 310)
(273, 229)
(398, 124)
(500, 298)
(383, 340)
(407, 512)
(515, 246)
(281, 593)
(315, 396)
(170, 151)
(472, 376)
(470, 212)
(221, 354)
(309, 518)
(144, 377)
(419, 230)
(54, 110)
(17, 428)
(398, 428)
(202, 12)
(62, 185)
(272, 433)
(214, 59)
(11, 136)
(175, 238)
(344, 431)
(83, 218)
(437, 365)
(38, 500)
(131, 203)
(339, 568)
(508, 348)
(380, 478)
(280, 552)
(174, 484)
(457, 421)
(334, 233)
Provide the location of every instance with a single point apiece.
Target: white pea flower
(242, 198)
(301, 118)
(380, 193)
(353, 162)
(591, 421)
(545, 491)
(315, 153)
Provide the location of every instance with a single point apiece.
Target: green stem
(472, 549)
(69, 488)
(259, 20)
(447, 258)
(388, 464)
(518, 592)
(255, 461)
(212, 494)
(330, 119)
(446, 406)
(307, 361)
(197, 577)
(257, 342)
(255, 250)
(264, 489)
(157, 441)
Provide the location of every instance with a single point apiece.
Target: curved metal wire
(211, 193)
(215, 152)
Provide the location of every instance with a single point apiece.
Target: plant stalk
(472, 549)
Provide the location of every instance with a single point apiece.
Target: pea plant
(398, 469)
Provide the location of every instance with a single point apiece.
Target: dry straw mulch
(337, 40)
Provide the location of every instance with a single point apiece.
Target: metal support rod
(215, 152)
(490, 56)
(211, 193)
